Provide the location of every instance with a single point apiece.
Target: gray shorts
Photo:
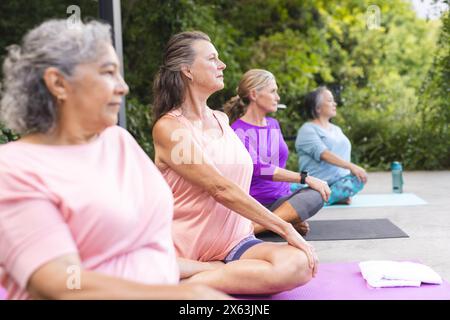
(241, 247)
(307, 202)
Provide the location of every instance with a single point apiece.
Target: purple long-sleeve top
(268, 151)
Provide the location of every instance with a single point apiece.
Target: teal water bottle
(397, 177)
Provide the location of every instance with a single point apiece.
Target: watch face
(303, 176)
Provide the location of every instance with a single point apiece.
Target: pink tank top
(203, 229)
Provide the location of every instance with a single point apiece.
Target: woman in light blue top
(324, 150)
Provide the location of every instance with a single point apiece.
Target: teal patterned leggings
(344, 188)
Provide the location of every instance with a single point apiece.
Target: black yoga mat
(349, 229)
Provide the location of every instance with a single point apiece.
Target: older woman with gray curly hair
(76, 218)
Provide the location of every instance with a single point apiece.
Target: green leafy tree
(432, 135)
(391, 83)
(19, 16)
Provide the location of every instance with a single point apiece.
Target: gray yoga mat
(349, 229)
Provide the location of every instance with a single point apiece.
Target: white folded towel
(380, 273)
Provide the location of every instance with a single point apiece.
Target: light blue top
(312, 140)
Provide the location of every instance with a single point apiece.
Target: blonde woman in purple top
(261, 135)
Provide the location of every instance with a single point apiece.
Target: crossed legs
(345, 188)
(296, 208)
(265, 268)
(288, 213)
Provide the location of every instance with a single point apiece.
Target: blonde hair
(254, 79)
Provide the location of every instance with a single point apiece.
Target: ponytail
(169, 91)
(235, 108)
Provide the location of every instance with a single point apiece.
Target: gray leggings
(306, 202)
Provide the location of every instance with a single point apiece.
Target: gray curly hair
(26, 105)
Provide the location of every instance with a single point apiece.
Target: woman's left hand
(296, 240)
(320, 186)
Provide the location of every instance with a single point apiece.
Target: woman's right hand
(296, 240)
(359, 172)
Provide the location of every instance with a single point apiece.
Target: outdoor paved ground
(428, 226)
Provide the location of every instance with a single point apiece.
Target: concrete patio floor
(428, 226)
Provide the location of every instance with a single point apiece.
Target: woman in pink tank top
(210, 171)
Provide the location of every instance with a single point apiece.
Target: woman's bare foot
(301, 226)
(206, 266)
(189, 267)
(216, 264)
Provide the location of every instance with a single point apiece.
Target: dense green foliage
(391, 83)
(17, 17)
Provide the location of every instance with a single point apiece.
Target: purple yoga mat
(2, 294)
(343, 281)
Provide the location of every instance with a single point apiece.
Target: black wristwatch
(303, 176)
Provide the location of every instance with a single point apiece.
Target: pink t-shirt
(105, 201)
(203, 229)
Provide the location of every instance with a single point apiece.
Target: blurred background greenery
(391, 83)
